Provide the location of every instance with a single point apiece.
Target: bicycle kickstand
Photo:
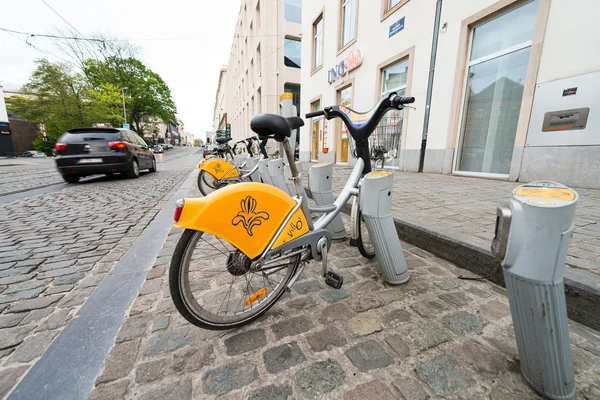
(331, 278)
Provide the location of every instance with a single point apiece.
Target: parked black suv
(90, 151)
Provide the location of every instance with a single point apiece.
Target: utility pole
(124, 112)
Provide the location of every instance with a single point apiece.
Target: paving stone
(57, 319)
(426, 335)
(368, 355)
(430, 308)
(156, 272)
(151, 287)
(161, 322)
(150, 371)
(511, 385)
(110, 391)
(482, 357)
(27, 285)
(336, 312)
(245, 342)
(91, 281)
(11, 337)
(362, 325)
(444, 375)
(190, 359)
(56, 265)
(457, 299)
(228, 377)
(331, 295)
(365, 302)
(305, 287)
(271, 392)
(495, 309)
(478, 292)
(9, 378)
(164, 342)
(396, 317)
(120, 361)
(21, 295)
(291, 327)
(397, 343)
(410, 389)
(391, 295)
(69, 279)
(34, 304)
(133, 327)
(33, 347)
(462, 322)
(8, 321)
(326, 339)
(369, 286)
(170, 390)
(372, 390)
(283, 357)
(438, 271)
(59, 289)
(142, 304)
(16, 276)
(36, 316)
(319, 378)
(76, 297)
(302, 303)
(448, 284)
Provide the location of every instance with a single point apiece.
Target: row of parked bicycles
(250, 237)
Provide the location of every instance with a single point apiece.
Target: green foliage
(197, 142)
(46, 146)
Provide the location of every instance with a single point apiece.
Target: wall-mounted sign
(353, 61)
(570, 92)
(396, 27)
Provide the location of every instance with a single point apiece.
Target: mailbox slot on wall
(566, 120)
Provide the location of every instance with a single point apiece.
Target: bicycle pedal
(334, 280)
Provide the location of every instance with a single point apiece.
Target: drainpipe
(436, 33)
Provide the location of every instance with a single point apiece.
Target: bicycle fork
(376, 205)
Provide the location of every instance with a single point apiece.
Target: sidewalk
(455, 217)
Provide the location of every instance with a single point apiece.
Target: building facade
(219, 113)
(264, 62)
(499, 99)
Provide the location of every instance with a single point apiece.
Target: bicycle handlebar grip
(398, 100)
(315, 114)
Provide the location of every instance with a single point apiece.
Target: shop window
(389, 131)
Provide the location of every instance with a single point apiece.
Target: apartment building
(219, 113)
(264, 62)
(505, 89)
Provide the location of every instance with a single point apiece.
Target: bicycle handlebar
(315, 114)
(399, 101)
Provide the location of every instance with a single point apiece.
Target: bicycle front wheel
(213, 287)
(365, 246)
(207, 183)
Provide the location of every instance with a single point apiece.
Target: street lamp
(124, 112)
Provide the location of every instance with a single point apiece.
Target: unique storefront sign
(396, 27)
(353, 61)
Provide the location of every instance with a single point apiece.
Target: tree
(197, 142)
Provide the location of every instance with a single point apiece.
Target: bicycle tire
(366, 249)
(204, 183)
(179, 287)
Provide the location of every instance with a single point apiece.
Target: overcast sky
(184, 41)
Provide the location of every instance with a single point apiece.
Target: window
(389, 130)
(292, 52)
(293, 11)
(294, 89)
(318, 42)
(258, 61)
(497, 69)
(257, 16)
(258, 101)
(392, 3)
(348, 21)
(317, 124)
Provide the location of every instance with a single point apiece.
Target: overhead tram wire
(61, 17)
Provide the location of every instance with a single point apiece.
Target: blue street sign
(396, 27)
(125, 125)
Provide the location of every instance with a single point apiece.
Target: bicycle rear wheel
(207, 183)
(213, 287)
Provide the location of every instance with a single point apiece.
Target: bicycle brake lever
(410, 107)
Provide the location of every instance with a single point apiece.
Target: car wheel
(134, 170)
(153, 168)
(71, 178)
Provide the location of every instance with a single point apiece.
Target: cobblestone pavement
(56, 248)
(465, 208)
(436, 336)
(23, 174)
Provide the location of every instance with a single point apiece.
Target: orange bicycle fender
(218, 168)
(247, 215)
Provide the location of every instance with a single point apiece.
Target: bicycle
(252, 230)
(216, 173)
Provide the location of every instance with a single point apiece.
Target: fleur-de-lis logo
(248, 217)
(217, 168)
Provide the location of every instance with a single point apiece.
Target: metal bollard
(532, 238)
(319, 183)
(376, 207)
(276, 174)
(263, 171)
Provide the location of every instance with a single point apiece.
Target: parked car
(89, 151)
(157, 148)
(167, 146)
(33, 154)
(210, 149)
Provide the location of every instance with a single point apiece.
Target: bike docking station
(375, 196)
(319, 183)
(532, 237)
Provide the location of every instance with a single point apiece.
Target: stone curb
(583, 299)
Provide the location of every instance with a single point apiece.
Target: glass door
(495, 80)
(386, 138)
(344, 99)
(316, 131)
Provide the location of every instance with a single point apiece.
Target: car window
(88, 136)
(125, 136)
(136, 138)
